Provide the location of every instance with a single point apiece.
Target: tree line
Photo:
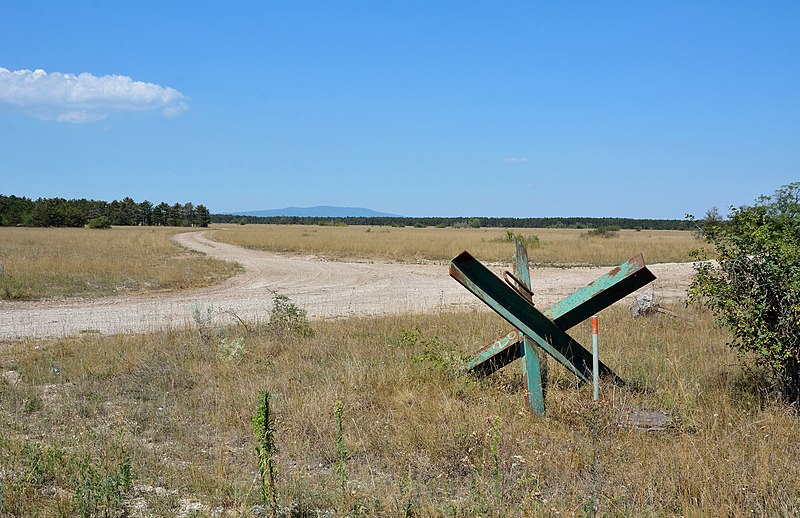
(60, 212)
(575, 222)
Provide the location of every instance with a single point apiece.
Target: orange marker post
(595, 359)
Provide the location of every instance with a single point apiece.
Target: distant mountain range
(321, 211)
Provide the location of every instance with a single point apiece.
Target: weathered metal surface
(533, 374)
(608, 289)
(534, 366)
(495, 355)
(517, 284)
(520, 313)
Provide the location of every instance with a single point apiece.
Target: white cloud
(515, 160)
(84, 97)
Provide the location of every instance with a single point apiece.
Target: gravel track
(323, 288)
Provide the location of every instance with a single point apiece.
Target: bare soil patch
(325, 289)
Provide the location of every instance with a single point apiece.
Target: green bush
(753, 287)
(604, 231)
(287, 319)
(531, 240)
(101, 222)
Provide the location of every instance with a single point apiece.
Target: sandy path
(323, 288)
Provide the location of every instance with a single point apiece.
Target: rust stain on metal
(638, 261)
(456, 274)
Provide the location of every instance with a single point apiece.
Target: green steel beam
(598, 295)
(589, 300)
(533, 373)
(532, 363)
(496, 354)
(521, 314)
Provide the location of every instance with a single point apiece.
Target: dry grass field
(556, 246)
(56, 262)
(160, 424)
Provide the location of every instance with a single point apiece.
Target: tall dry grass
(56, 262)
(422, 438)
(556, 246)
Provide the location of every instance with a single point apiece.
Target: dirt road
(323, 288)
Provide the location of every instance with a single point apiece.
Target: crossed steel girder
(534, 364)
(546, 329)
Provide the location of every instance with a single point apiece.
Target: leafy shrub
(100, 222)
(531, 240)
(754, 285)
(287, 319)
(438, 355)
(409, 337)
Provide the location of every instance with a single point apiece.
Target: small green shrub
(604, 231)
(100, 222)
(531, 240)
(408, 338)
(438, 355)
(287, 319)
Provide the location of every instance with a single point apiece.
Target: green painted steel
(611, 287)
(532, 363)
(608, 289)
(521, 313)
(534, 380)
(497, 354)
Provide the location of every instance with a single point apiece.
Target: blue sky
(631, 109)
